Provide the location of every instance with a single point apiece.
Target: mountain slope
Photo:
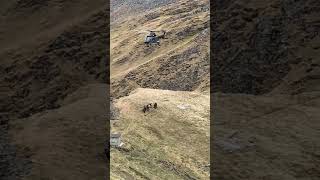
(180, 63)
(67, 141)
(266, 136)
(265, 71)
(49, 49)
(57, 63)
(170, 142)
(257, 44)
(121, 9)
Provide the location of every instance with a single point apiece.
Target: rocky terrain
(49, 50)
(122, 9)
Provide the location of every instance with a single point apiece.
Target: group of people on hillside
(149, 106)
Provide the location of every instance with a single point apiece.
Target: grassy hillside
(170, 142)
(180, 63)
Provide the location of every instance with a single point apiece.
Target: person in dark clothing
(155, 105)
(144, 109)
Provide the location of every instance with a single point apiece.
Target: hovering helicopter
(153, 38)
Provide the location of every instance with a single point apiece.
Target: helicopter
(153, 38)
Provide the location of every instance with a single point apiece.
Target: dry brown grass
(184, 51)
(165, 143)
(168, 142)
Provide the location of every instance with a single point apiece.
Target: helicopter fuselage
(152, 40)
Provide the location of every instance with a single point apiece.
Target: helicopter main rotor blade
(139, 31)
